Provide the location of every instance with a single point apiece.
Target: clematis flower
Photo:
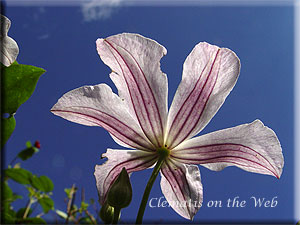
(138, 118)
(9, 48)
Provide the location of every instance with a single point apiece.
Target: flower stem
(116, 215)
(143, 204)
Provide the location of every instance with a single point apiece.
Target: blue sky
(62, 41)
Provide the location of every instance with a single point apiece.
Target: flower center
(163, 152)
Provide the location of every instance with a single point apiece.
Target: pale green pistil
(163, 152)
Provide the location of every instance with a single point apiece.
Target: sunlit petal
(140, 82)
(252, 147)
(132, 160)
(181, 186)
(99, 106)
(209, 74)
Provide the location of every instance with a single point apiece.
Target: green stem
(116, 215)
(139, 218)
(28, 208)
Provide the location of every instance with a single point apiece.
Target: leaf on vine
(7, 192)
(46, 203)
(84, 206)
(33, 220)
(7, 127)
(28, 152)
(42, 183)
(19, 82)
(85, 220)
(8, 217)
(19, 175)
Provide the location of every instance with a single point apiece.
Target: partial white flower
(9, 48)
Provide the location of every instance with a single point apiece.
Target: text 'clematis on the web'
(138, 118)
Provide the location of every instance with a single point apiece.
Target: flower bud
(107, 213)
(120, 192)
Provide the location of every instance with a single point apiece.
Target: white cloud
(99, 9)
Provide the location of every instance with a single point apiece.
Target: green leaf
(7, 127)
(21, 212)
(46, 203)
(42, 183)
(19, 82)
(61, 214)
(8, 215)
(31, 191)
(68, 192)
(75, 208)
(7, 192)
(34, 220)
(85, 220)
(19, 175)
(27, 153)
(8, 195)
(8, 218)
(84, 206)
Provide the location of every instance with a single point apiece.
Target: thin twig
(71, 202)
(12, 161)
(91, 217)
(73, 218)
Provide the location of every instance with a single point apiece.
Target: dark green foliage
(19, 175)
(18, 83)
(42, 183)
(28, 152)
(46, 203)
(7, 127)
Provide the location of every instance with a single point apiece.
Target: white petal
(135, 61)
(99, 106)
(132, 160)
(252, 147)
(5, 25)
(9, 48)
(181, 186)
(9, 51)
(209, 74)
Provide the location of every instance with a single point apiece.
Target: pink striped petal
(132, 160)
(209, 74)
(252, 147)
(181, 186)
(99, 106)
(134, 60)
